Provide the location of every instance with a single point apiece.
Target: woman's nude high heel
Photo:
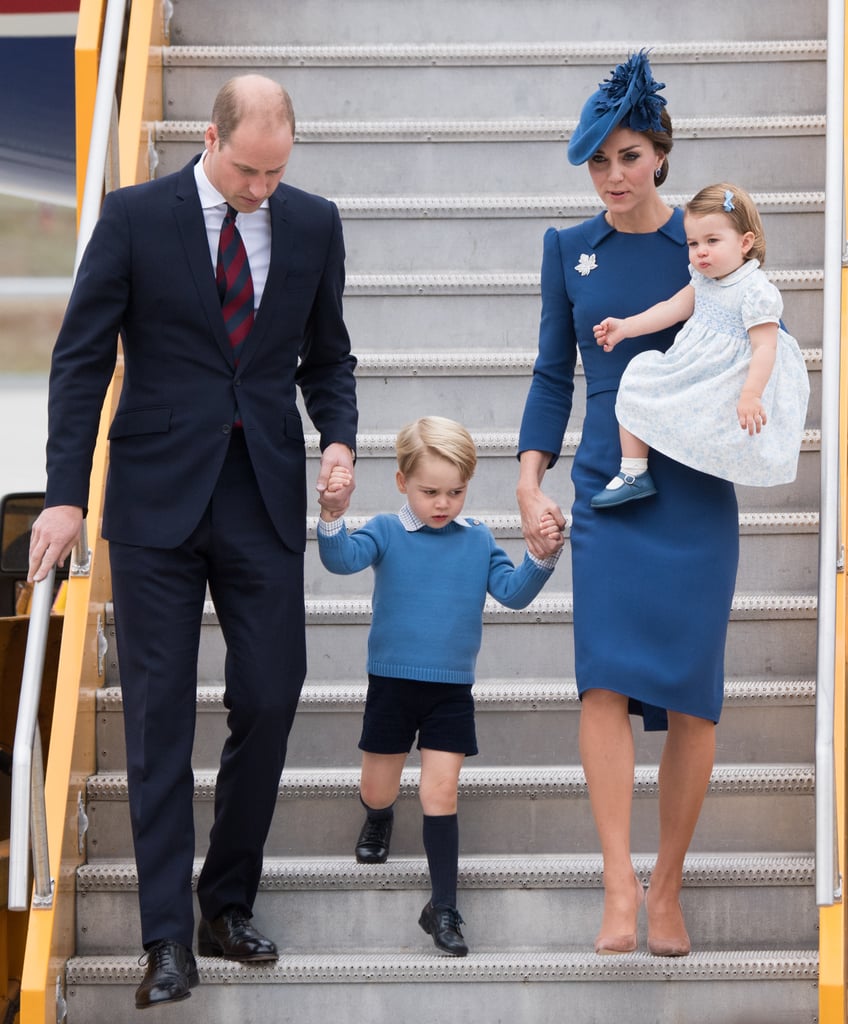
(606, 945)
(668, 945)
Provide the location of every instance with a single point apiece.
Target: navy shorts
(396, 709)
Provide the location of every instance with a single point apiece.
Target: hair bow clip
(728, 201)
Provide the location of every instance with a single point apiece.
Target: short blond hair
(436, 435)
(744, 214)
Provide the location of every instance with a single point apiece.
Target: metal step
(497, 473)
(398, 386)
(451, 192)
(502, 810)
(740, 986)
(529, 80)
(528, 721)
(453, 310)
(621, 25)
(778, 552)
(334, 905)
(767, 632)
(429, 240)
(782, 153)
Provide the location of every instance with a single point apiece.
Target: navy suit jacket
(147, 274)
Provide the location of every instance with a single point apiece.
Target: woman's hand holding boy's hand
(551, 533)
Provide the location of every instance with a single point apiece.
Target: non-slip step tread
(489, 783)
(524, 966)
(506, 694)
(495, 443)
(468, 362)
(457, 282)
(505, 130)
(572, 204)
(504, 525)
(498, 54)
(542, 871)
(556, 608)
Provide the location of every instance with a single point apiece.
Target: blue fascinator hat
(628, 98)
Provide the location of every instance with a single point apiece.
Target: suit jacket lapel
(192, 228)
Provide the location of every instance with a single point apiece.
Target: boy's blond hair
(743, 214)
(436, 435)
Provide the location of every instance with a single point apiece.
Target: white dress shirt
(254, 228)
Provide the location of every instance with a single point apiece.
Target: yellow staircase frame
(833, 947)
(50, 937)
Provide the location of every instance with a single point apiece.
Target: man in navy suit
(206, 488)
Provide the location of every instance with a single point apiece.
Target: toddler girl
(731, 370)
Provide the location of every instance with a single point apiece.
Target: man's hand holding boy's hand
(335, 498)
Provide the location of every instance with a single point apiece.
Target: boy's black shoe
(443, 924)
(372, 846)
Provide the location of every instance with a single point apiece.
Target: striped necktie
(235, 285)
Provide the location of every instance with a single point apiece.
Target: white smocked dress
(683, 402)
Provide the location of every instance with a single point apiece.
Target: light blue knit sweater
(430, 588)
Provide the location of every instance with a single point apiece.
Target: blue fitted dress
(653, 579)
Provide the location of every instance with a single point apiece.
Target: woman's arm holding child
(749, 408)
(609, 332)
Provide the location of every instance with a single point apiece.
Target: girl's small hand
(608, 333)
(752, 415)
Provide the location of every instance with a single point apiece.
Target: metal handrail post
(98, 151)
(81, 555)
(831, 556)
(22, 754)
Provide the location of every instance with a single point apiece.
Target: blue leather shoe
(641, 486)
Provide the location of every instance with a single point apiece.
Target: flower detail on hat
(587, 264)
(632, 88)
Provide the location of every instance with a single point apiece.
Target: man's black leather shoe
(372, 846)
(233, 937)
(443, 924)
(171, 974)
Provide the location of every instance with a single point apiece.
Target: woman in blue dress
(654, 581)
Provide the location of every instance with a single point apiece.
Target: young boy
(432, 571)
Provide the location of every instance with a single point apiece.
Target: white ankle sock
(632, 467)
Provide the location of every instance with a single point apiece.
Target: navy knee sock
(378, 814)
(441, 844)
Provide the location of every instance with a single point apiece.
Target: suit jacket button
(226, 428)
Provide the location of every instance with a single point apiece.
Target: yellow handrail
(72, 755)
(833, 968)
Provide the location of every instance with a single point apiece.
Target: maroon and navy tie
(235, 285)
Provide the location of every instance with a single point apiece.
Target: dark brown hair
(662, 143)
